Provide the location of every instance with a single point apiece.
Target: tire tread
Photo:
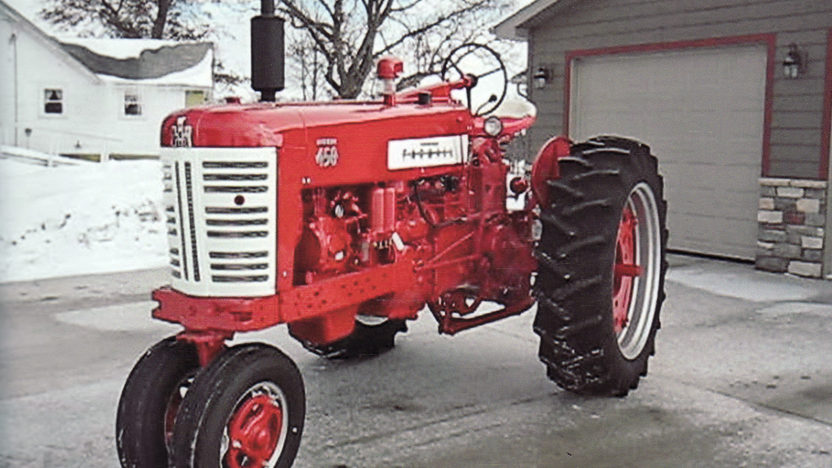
(579, 233)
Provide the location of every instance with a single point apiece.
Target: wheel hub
(625, 269)
(254, 431)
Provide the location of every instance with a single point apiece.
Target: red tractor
(345, 219)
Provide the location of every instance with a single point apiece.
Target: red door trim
(823, 173)
(769, 40)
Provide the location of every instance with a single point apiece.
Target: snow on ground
(95, 218)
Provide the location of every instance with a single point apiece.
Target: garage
(702, 111)
(734, 97)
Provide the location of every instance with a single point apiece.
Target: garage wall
(571, 26)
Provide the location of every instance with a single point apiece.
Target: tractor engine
(347, 229)
(456, 239)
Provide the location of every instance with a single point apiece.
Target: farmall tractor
(345, 219)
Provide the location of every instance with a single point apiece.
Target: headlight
(493, 126)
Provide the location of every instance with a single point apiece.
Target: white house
(91, 97)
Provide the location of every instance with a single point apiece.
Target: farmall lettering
(327, 154)
(417, 216)
(426, 152)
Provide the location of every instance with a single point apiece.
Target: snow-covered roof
(117, 48)
(513, 27)
(149, 61)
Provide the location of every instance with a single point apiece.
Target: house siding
(796, 105)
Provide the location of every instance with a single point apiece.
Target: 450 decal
(327, 155)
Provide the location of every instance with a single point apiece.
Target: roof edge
(513, 26)
(49, 41)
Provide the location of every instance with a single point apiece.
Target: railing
(37, 157)
(53, 141)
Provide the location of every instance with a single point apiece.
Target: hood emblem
(182, 133)
(327, 155)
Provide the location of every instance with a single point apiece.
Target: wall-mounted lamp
(793, 63)
(541, 77)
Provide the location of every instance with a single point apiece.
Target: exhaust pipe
(267, 56)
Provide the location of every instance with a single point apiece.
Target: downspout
(13, 41)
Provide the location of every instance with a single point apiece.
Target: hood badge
(182, 133)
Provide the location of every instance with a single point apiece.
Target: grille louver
(221, 217)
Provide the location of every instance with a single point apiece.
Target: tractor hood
(299, 125)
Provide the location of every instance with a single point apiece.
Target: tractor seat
(514, 106)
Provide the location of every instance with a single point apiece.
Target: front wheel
(245, 410)
(150, 401)
(601, 258)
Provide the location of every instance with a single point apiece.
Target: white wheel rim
(645, 287)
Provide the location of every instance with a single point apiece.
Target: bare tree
(304, 56)
(157, 19)
(351, 35)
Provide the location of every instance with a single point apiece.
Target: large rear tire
(245, 409)
(600, 284)
(150, 400)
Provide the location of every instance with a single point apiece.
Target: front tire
(600, 283)
(245, 409)
(149, 402)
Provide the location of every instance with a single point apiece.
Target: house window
(53, 101)
(132, 103)
(194, 97)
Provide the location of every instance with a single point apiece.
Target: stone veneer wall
(791, 223)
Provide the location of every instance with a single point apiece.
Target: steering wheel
(493, 81)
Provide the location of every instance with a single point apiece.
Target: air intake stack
(267, 59)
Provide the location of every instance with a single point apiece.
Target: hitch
(451, 325)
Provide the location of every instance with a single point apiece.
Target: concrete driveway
(742, 377)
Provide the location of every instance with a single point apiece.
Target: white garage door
(702, 113)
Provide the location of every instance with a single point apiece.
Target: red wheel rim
(254, 432)
(174, 402)
(170, 415)
(625, 269)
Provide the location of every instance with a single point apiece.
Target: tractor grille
(221, 218)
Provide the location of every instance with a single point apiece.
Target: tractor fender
(545, 166)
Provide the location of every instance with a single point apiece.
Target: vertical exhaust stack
(267, 59)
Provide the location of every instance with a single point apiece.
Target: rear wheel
(372, 336)
(600, 284)
(244, 410)
(150, 401)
